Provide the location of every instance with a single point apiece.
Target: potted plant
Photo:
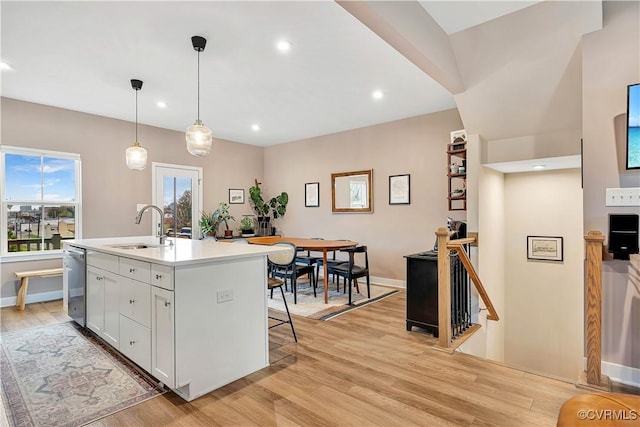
(247, 226)
(225, 216)
(277, 205)
(209, 224)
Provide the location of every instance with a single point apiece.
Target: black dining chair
(284, 266)
(350, 271)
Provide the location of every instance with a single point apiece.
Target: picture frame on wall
(400, 189)
(236, 196)
(312, 194)
(546, 248)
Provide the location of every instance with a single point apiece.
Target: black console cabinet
(422, 291)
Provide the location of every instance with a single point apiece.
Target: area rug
(59, 375)
(315, 308)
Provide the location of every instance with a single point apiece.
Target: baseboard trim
(393, 283)
(31, 298)
(620, 373)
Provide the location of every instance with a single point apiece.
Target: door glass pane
(177, 205)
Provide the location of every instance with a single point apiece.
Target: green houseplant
(209, 223)
(247, 225)
(225, 216)
(277, 205)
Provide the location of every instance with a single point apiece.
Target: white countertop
(182, 252)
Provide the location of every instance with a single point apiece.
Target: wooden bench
(24, 282)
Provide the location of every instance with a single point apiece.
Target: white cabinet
(162, 276)
(135, 301)
(135, 269)
(162, 336)
(95, 299)
(135, 342)
(103, 305)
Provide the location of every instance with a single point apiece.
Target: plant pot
(245, 232)
(228, 233)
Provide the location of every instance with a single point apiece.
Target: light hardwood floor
(362, 368)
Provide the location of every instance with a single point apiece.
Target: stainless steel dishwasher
(76, 270)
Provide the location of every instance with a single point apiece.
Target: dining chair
(284, 266)
(331, 263)
(350, 271)
(274, 282)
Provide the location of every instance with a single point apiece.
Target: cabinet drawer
(135, 342)
(134, 269)
(162, 276)
(103, 261)
(135, 301)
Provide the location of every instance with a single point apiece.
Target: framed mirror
(352, 191)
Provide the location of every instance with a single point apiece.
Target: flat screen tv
(633, 126)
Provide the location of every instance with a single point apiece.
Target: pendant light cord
(198, 87)
(136, 115)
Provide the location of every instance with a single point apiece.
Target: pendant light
(136, 156)
(198, 136)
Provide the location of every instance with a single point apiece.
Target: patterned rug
(60, 375)
(315, 308)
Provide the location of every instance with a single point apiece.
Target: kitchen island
(192, 314)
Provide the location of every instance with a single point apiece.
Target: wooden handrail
(444, 283)
(492, 314)
(594, 377)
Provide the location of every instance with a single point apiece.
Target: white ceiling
(81, 56)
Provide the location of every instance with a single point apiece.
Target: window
(40, 200)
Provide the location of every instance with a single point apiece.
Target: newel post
(594, 240)
(444, 289)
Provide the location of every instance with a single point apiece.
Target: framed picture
(399, 189)
(236, 197)
(544, 248)
(312, 194)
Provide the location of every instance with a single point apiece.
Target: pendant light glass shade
(136, 156)
(198, 139)
(198, 136)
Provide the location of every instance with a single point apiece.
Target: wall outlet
(623, 196)
(224, 296)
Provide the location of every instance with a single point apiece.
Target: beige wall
(110, 191)
(544, 299)
(489, 340)
(611, 61)
(413, 146)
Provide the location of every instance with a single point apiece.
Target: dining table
(309, 244)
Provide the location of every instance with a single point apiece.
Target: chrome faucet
(159, 233)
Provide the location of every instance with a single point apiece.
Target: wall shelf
(457, 178)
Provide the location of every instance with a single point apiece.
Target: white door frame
(183, 171)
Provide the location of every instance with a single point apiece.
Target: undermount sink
(132, 246)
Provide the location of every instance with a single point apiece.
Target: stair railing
(445, 248)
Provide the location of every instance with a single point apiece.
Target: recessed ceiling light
(161, 104)
(283, 46)
(255, 127)
(538, 167)
(377, 94)
(5, 66)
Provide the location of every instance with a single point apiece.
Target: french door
(177, 190)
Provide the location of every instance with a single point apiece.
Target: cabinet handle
(132, 342)
(132, 270)
(131, 301)
(100, 278)
(158, 276)
(167, 303)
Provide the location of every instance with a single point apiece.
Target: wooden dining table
(318, 245)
